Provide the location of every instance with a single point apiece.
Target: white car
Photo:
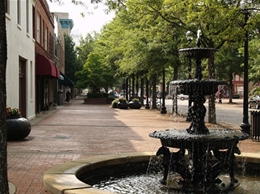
(183, 96)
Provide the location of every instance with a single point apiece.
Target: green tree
(228, 63)
(85, 47)
(219, 21)
(254, 60)
(95, 74)
(138, 42)
(71, 62)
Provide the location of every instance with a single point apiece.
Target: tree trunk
(154, 77)
(3, 133)
(133, 87)
(142, 89)
(127, 88)
(230, 88)
(212, 98)
(137, 85)
(175, 72)
(174, 99)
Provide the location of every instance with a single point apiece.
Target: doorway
(22, 86)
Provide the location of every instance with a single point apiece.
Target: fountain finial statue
(199, 34)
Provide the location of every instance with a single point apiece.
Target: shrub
(110, 96)
(255, 91)
(122, 99)
(114, 103)
(135, 100)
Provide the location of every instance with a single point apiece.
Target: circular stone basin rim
(62, 179)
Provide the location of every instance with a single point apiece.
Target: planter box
(110, 100)
(122, 105)
(135, 105)
(95, 100)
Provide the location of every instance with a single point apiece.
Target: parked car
(183, 96)
(254, 102)
(168, 96)
(114, 94)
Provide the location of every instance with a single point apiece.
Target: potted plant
(135, 103)
(122, 103)
(114, 103)
(17, 126)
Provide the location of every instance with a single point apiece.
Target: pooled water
(149, 184)
(137, 184)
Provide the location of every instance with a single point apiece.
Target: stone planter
(122, 105)
(17, 128)
(135, 105)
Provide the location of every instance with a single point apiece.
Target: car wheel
(182, 98)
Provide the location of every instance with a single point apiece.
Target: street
(226, 113)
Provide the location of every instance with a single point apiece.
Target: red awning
(45, 67)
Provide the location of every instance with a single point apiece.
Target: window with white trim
(19, 12)
(38, 29)
(46, 39)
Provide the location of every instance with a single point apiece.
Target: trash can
(255, 125)
(60, 99)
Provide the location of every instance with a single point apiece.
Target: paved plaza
(77, 130)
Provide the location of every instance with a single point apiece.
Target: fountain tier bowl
(194, 86)
(216, 139)
(198, 53)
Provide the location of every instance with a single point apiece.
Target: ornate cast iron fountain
(210, 152)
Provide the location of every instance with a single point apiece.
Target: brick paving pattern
(78, 130)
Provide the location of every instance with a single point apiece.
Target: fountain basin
(198, 53)
(62, 179)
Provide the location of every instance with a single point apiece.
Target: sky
(94, 18)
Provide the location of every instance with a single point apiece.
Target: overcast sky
(94, 18)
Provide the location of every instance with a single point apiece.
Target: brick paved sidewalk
(77, 130)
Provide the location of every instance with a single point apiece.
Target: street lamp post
(163, 109)
(245, 125)
(147, 106)
(189, 37)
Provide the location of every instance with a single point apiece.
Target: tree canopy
(71, 62)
